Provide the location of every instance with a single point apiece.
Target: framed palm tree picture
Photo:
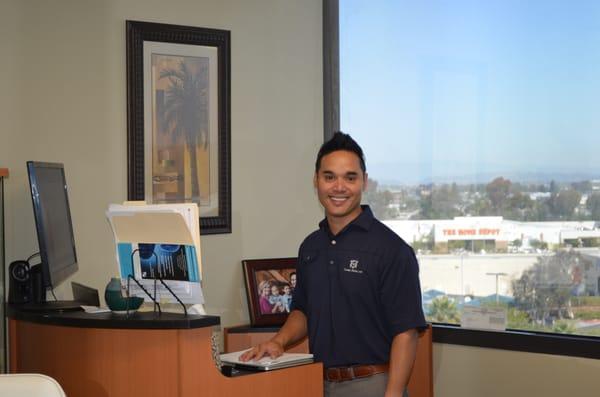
(178, 116)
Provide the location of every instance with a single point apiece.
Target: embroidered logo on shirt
(353, 267)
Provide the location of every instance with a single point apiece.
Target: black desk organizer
(153, 298)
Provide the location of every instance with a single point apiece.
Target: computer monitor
(54, 227)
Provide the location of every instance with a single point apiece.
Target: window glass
(481, 131)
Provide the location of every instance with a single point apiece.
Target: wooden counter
(167, 356)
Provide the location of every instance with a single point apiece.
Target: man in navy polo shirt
(357, 296)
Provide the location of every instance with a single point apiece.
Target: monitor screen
(53, 222)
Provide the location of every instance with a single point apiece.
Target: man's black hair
(341, 141)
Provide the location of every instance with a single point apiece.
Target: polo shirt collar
(362, 221)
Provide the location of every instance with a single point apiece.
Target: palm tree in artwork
(185, 112)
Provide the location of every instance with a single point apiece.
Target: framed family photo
(178, 119)
(269, 287)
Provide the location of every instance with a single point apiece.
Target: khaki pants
(372, 386)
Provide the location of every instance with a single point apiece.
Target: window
(479, 125)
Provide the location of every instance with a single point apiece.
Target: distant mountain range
(414, 174)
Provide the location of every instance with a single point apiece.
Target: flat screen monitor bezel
(50, 278)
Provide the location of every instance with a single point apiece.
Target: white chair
(30, 385)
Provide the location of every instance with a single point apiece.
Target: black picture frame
(270, 272)
(217, 218)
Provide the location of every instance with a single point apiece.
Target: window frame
(511, 339)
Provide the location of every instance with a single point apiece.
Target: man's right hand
(271, 348)
(292, 331)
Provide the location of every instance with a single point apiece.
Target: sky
(467, 90)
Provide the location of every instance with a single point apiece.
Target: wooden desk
(103, 355)
(421, 379)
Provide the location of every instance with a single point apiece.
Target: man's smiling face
(340, 182)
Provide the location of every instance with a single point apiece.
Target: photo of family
(275, 290)
(270, 287)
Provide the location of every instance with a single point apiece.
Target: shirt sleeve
(401, 291)
(299, 293)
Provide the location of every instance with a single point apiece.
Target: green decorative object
(116, 301)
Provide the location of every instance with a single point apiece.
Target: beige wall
(464, 371)
(63, 99)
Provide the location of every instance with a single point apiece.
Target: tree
(518, 319)
(535, 243)
(541, 188)
(185, 112)
(379, 200)
(582, 186)
(521, 201)
(517, 242)
(544, 290)
(520, 207)
(480, 207)
(563, 203)
(498, 191)
(446, 199)
(440, 202)
(563, 327)
(540, 212)
(443, 310)
(425, 204)
(593, 205)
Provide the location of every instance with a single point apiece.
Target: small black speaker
(20, 289)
